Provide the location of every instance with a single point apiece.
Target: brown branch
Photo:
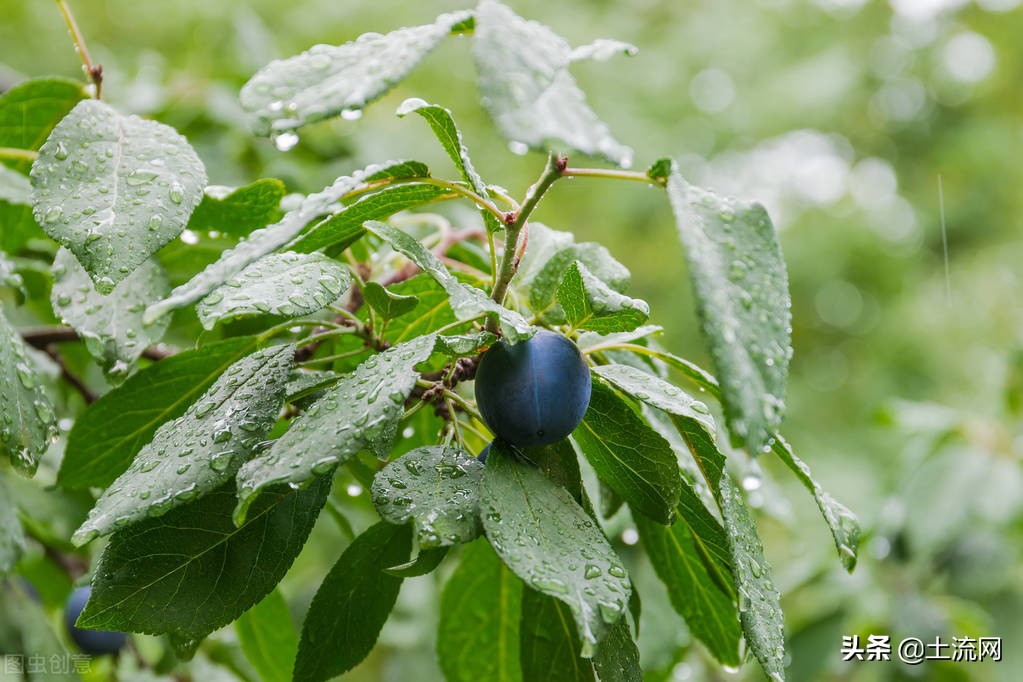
(44, 336)
(87, 394)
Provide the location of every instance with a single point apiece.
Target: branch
(44, 336)
(87, 394)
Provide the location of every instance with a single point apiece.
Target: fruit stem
(93, 71)
(516, 222)
(636, 176)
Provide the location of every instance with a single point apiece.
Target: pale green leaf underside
(554, 546)
(844, 526)
(110, 325)
(658, 393)
(467, 302)
(200, 450)
(526, 87)
(327, 80)
(268, 239)
(14, 187)
(742, 296)
(435, 487)
(114, 189)
(387, 304)
(286, 284)
(480, 608)
(27, 419)
(192, 571)
(588, 303)
(360, 411)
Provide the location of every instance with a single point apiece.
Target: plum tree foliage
(231, 382)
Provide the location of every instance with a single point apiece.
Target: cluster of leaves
(214, 462)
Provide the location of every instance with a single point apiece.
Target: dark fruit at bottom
(535, 392)
(93, 642)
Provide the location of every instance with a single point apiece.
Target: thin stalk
(93, 71)
(635, 176)
(463, 403)
(13, 154)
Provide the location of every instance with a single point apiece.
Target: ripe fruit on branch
(93, 642)
(535, 392)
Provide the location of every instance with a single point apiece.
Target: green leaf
(554, 546)
(467, 302)
(450, 137)
(617, 657)
(10, 279)
(268, 638)
(628, 455)
(345, 227)
(435, 487)
(430, 314)
(268, 239)
(12, 535)
(36, 639)
(329, 80)
(111, 326)
(550, 647)
(305, 382)
(478, 634)
(192, 571)
(200, 450)
(114, 189)
(549, 255)
(27, 420)
(742, 297)
(588, 303)
(844, 526)
(15, 188)
(425, 562)
(105, 438)
(30, 110)
(387, 304)
(285, 284)
(526, 88)
(352, 604)
(759, 606)
(360, 411)
(464, 345)
(238, 211)
(687, 559)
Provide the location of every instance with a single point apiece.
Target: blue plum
(93, 642)
(535, 392)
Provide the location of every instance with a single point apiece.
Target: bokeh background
(862, 125)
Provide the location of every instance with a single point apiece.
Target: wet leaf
(464, 345)
(268, 638)
(111, 326)
(430, 314)
(844, 526)
(114, 189)
(345, 227)
(617, 657)
(759, 606)
(285, 284)
(237, 211)
(742, 297)
(467, 302)
(480, 608)
(105, 437)
(15, 188)
(268, 239)
(200, 450)
(437, 488)
(360, 411)
(425, 562)
(590, 304)
(27, 419)
(628, 455)
(388, 304)
(525, 85)
(191, 571)
(450, 137)
(331, 80)
(12, 535)
(352, 604)
(11, 279)
(554, 546)
(550, 646)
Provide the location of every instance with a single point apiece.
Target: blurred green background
(859, 124)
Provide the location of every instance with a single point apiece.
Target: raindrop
(61, 151)
(285, 141)
(177, 193)
(351, 114)
(519, 148)
(53, 214)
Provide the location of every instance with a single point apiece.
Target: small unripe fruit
(93, 642)
(535, 392)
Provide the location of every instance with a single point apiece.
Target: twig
(45, 336)
(93, 71)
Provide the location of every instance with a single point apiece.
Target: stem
(635, 176)
(42, 337)
(18, 154)
(93, 71)
(552, 171)
(469, 408)
(87, 394)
